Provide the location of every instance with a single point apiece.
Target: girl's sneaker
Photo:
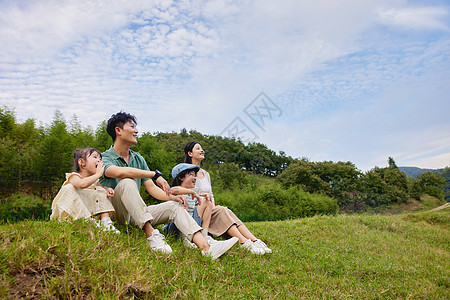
(108, 225)
(263, 246)
(253, 248)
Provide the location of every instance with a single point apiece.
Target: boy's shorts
(170, 227)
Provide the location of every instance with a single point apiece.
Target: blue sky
(348, 80)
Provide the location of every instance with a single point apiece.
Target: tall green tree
(446, 175)
(431, 183)
(56, 151)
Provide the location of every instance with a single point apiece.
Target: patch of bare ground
(29, 282)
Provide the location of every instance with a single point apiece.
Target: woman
(222, 220)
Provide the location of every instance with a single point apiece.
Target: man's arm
(159, 194)
(128, 172)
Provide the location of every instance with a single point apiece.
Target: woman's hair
(83, 154)
(188, 148)
(118, 120)
(177, 180)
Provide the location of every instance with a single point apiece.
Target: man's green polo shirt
(111, 158)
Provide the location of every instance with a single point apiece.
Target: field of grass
(340, 257)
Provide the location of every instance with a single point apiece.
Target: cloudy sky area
(348, 80)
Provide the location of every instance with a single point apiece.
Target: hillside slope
(415, 172)
(361, 257)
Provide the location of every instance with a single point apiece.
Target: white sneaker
(263, 246)
(218, 248)
(253, 248)
(188, 243)
(210, 240)
(157, 242)
(108, 225)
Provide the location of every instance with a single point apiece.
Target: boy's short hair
(118, 120)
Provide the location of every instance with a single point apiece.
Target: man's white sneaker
(157, 242)
(263, 246)
(218, 248)
(108, 225)
(188, 243)
(253, 248)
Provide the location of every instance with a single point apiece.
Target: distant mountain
(414, 172)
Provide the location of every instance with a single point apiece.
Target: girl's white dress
(80, 203)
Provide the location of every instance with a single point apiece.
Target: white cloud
(197, 64)
(416, 17)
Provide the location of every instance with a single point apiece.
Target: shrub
(270, 203)
(20, 207)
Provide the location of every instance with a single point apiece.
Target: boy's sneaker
(157, 242)
(210, 240)
(108, 225)
(253, 248)
(220, 247)
(188, 243)
(263, 246)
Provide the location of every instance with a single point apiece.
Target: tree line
(40, 155)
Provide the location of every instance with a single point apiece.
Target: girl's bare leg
(104, 215)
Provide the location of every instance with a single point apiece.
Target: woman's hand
(180, 199)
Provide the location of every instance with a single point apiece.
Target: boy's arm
(178, 190)
(159, 194)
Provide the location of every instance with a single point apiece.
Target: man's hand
(162, 183)
(180, 199)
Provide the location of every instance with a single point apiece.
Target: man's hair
(118, 120)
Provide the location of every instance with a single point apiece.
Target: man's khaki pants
(131, 208)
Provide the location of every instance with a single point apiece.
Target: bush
(270, 203)
(20, 207)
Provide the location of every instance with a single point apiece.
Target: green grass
(341, 257)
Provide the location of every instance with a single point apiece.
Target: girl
(81, 195)
(223, 220)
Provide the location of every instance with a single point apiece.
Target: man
(126, 170)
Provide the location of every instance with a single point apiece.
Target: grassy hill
(344, 256)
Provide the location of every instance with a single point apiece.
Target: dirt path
(446, 205)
